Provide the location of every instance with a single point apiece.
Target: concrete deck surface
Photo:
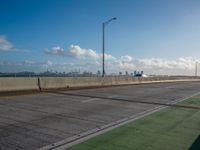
(171, 128)
(34, 121)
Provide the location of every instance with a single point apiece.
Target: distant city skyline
(159, 37)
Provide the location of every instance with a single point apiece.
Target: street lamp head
(114, 18)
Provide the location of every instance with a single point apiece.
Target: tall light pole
(103, 46)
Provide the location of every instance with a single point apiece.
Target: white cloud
(5, 45)
(29, 62)
(160, 63)
(126, 58)
(179, 66)
(77, 52)
(123, 63)
(107, 56)
(55, 51)
(49, 63)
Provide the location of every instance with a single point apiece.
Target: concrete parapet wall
(71, 82)
(18, 84)
(68, 82)
(45, 83)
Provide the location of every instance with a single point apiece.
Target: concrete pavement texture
(39, 120)
(171, 128)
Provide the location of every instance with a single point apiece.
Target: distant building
(139, 74)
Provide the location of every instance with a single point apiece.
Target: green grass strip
(168, 129)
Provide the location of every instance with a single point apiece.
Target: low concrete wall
(18, 84)
(68, 82)
(44, 83)
(71, 82)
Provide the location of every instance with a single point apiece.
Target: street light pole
(103, 44)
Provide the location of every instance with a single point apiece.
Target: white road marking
(90, 100)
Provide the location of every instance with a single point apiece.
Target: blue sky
(54, 32)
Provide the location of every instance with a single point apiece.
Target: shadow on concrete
(127, 100)
(196, 144)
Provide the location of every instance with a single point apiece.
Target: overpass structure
(54, 119)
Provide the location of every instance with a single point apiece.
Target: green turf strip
(168, 129)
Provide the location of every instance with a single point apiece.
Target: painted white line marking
(90, 100)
